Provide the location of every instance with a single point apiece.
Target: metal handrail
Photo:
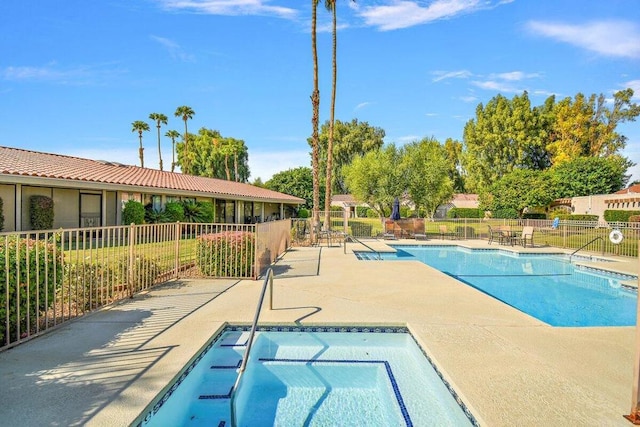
(349, 236)
(587, 244)
(268, 280)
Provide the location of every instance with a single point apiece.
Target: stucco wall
(8, 195)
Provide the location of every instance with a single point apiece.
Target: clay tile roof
(629, 190)
(14, 161)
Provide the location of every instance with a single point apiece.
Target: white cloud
(608, 38)
(514, 76)
(635, 85)
(361, 105)
(396, 14)
(52, 73)
(468, 99)
(443, 75)
(230, 7)
(174, 49)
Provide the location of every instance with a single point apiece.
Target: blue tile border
(299, 328)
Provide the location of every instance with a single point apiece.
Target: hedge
(227, 254)
(534, 215)
(618, 215)
(465, 213)
(43, 275)
(577, 217)
(508, 213)
(41, 212)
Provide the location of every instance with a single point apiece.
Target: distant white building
(627, 199)
(348, 203)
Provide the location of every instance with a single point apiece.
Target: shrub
(154, 216)
(405, 211)
(34, 284)
(1, 215)
(41, 212)
(145, 272)
(193, 212)
(634, 218)
(174, 212)
(465, 213)
(208, 211)
(534, 215)
(371, 213)
(578, 217)
(336, 209)
(226, 254)
(303, 213)
(83, 285)
(618, 215)
(508, 213)
(362, 211)
(133, 212)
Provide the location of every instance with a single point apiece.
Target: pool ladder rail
(353, 239)
(268, 280)
(585, 245)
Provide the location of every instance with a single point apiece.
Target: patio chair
(494, 233)
(507, 236)
(526, 236)
(444, 232)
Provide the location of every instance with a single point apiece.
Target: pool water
(546, 287)
(319, 376)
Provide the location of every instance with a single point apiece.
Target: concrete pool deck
(509, 368)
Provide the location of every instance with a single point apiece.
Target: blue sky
(75, 74)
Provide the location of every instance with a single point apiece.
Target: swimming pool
(312, 376)
(546, 287)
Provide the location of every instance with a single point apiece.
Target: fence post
(345, 219)
(634, 415)
(177, 250)
(132, 242)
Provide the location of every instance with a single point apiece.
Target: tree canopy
(296, 182)
(350, 140)
(212, 155)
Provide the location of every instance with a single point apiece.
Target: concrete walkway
(508, 367)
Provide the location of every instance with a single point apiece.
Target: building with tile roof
(91, 192)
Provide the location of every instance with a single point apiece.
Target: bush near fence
(465, 213)
(578, 217)
(619, 215)
(30, 274)
(226, 254)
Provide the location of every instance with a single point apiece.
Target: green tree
(586, 176)
(133, 213)
(350, 140)
(185, 113)
(505, 135)
(518, 190)
(425, 172)
(296, 182)
(210, 156)
(453, 155)
(376, 179)
(587, 127)
(160, 119)
(140, 126)
(173, 134)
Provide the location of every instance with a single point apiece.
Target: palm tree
(315, 104)
(159, 118)
(173, 134)
(185, 113)
(140, 126)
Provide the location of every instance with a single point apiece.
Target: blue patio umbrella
(395, 211)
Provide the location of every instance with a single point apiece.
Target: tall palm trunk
(315, 103)
(159, 149)
(141, 150)
(185, 163)
(327, 200)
